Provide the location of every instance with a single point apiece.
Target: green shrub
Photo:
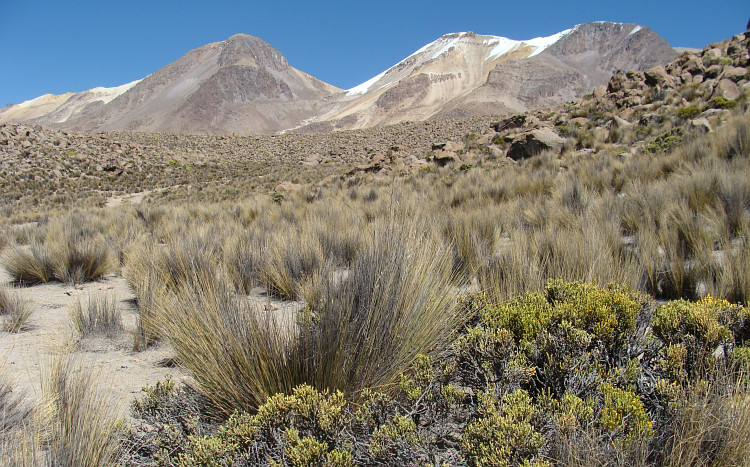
(504, 434)
(722, 103)
(688, 113)
(665, 142)
(624, 415)
(693, 331)
(309, 422)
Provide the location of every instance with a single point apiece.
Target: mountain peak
(247, 50)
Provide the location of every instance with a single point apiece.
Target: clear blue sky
(56, 46)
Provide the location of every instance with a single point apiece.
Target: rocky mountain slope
(243, 85)
(240, 85)
(467, 74)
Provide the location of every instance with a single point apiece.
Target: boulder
(453, 146)
(469, 157)
(533, 142)
(486, 138)
(377, 163)
(618, 122)
(600, 91)
(726, 88)
(694, 65)
(702, 124)
(516, 121)
(444, 158)
(712, 53)
(658, 76)
(287, 186)
(735, 73)
(712, 71)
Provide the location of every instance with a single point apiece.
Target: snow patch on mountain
(542, 43)
(364, 87)
(107, 95)
(501, 47)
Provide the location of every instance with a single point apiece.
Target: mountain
(245, 86)
(466, 74)
(240, 85)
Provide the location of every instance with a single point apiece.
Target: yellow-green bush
(504, 434)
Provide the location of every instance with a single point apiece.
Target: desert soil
(119, 369)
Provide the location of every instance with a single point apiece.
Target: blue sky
(55, 46)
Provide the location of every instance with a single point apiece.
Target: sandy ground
(121, 370)
(132, 198)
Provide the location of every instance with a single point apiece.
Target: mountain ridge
(243, 85)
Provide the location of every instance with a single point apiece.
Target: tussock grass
(242, 256)
(369, 327)
(291, 258)
(363, 332)
(712, 425)
(98, 314)
(14, 409)
(80, 258)
(71, 252)
(31, 265)
(236, 355)
(14, 310)
(76, 424)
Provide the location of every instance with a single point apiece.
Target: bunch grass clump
(77, 424)
(98, 314)
(72, 252)
(362, 332)
(15, 310)
(73, 423)
(32, 265)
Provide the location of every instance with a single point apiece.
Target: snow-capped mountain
(244, 85)
(464, 74)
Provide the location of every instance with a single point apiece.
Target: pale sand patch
(132, 198)
(121, 370)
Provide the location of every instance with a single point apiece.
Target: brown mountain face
(240, 85)
(245, 86)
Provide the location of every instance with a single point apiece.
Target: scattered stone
(530, 143)
(657, 76)
(516, 121)
(735, 73)
(703, 124)
(287, 186)
(444, 158)
(726, 88)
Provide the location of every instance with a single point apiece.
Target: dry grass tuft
(99, 314)
(14, 310)
(31, 265)
(711, 426)
(364, 330)
(81, 424)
